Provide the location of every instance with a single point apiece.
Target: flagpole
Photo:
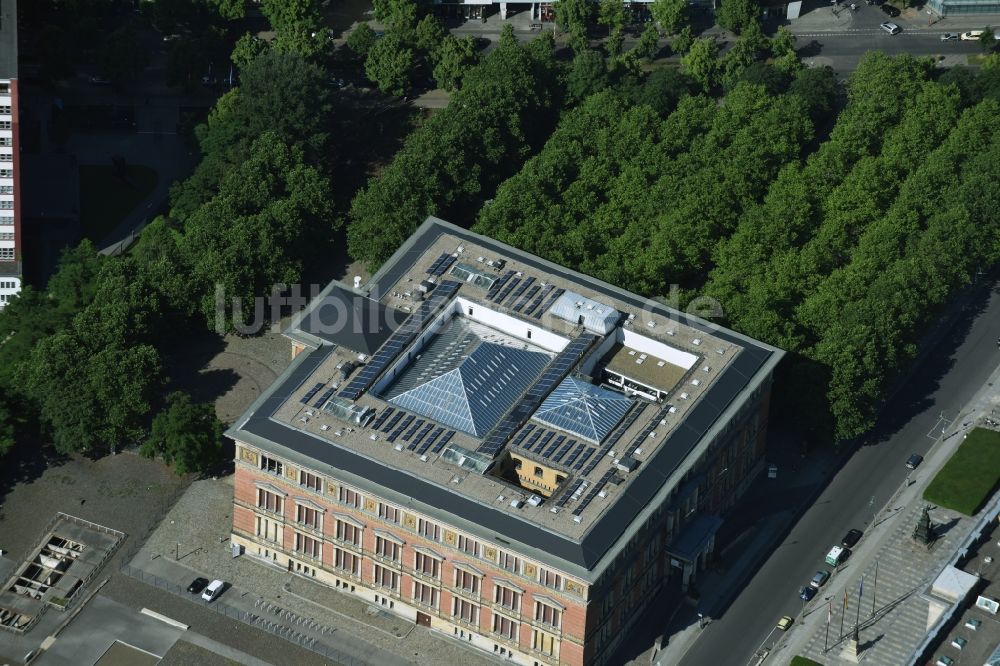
(861, 591)
(875, 589)
(843, 614)
(829, 616)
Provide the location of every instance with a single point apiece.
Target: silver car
(819, 580)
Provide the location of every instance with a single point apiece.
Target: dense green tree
(186, 435)
(230, 10)
(453, 59)
(987, 40)
(573, 16)
(672, 15)
(819, 88)
(611, 13)
(700, 62)
(362, 39)
(260, 227)
(429, 34)
(588, 75)
(683, 41)
(6, 429)
(649, 43)
(662, 90)
(783, 42)
(390, 65)
(247, 49)
(298, 26)
(736, 15)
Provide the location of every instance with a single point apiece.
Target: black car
(890, 10)
(197, 585)
(914, 461)
(851, 538)
(807, 593)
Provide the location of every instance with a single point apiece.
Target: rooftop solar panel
(403, 336)
(554, 446)
(499, 298)
(525, 431)
(429, 441)
(420, 436)
(520, 290)
(576, 453)
(583, 459)
(445, 264)
(493, 290)
(548, 304)
(413, 428)
(395, 433)
(594, 491)
(324, 397)
(383, 415)
(533, 439)
(393, 421)
(443, 441)
(564, 450)
(437, 263)
(527, 297)
(546, 290)
(545, 440)
(569, 492)
(641, 437)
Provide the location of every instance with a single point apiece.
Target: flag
(845, 601)
(829, 612)
(861, 588)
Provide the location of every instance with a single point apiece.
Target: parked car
(819, 578)
(948, 36)
(785, 623)
(890, 10)
(213, 591)
(851, 538)
(807, 593)
(914, 461)
(891, 28)
(837, 555)
(972, 35)
(197, 585)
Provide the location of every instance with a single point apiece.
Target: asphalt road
(851, 45)
(954, 372)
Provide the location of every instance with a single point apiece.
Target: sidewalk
(890, 634)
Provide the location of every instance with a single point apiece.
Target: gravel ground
(124, 492)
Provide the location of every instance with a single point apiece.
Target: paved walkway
(905, 569)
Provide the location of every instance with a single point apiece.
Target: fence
(266, 616)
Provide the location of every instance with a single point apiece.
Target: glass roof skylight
(587, 411)
(468, 377)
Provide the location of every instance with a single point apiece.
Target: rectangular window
(5, 109)
(6, 219)
(348, 532)
(271, 465)
(549, 578)
(349, 497)
(267, 529)
(428, 529)
(6, 173)
(467, 545)
(307, 545)
(6, 141)
(547, 614)
(5, 235)
(6, 157)
(510, 562)
(6, 189)
(269, 501)
(311, 481)
(427, 565)
(386, 578)
(387, 548)
(465, 610)
(467, 581)
(7, 205)
(5, 124)
(545, 643)
(347, 561)
(388, 513)
(4, 88)
(309, 517)
(425, 594)
(505, 626)
(507, 598)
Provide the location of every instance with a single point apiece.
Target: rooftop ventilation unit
(696, 342)
(534, 500)
(628, 464)
(517, 503)
(684, 396)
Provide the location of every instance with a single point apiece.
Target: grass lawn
(802, 661)
(105, 200)
(970, 477)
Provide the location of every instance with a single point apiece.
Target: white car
(972, 35)
(891, 28)
(213, 590)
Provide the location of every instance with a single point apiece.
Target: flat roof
(586, 525)
(645, 368)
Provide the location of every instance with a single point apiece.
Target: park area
(970, 476)
(106, 197)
